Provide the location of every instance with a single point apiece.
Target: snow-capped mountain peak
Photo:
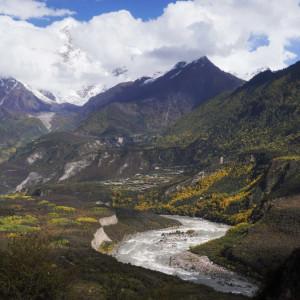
(40, 94)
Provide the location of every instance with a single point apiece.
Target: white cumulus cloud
(26, 9)
(69, 54)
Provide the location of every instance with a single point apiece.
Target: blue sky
(144, 9)
(256, 41)
(294, 47)
(86, 9)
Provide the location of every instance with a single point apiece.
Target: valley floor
(259, 199)
(58, 237)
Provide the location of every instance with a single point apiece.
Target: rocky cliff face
(66, 157)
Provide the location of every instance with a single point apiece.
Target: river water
(155, 249)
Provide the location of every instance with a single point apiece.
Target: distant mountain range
(194, 141)
(194, 113)
(27, 114)
(128, 112)
(146, 105)
(149, 105)
(15, 97)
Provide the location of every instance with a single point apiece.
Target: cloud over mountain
(68, 55)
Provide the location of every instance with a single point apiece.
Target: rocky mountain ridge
(148, 105)
(27, 114)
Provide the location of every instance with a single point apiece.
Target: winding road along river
(165, 251)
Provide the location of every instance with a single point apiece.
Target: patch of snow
(100, 163)
(34, 157)
(32, 178)
(150, 80)
(153, 78)
(120, 140)
(45, 118)
(111, 161)
(125, 166)
(176, 74)
(38, 94)
(73, 168)
(80, 96)
(202, 60)
(94, 146)
(72, 57)
(105, 156)
(15, 84)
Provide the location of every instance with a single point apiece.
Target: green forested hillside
(16, 130)
(261, 116)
